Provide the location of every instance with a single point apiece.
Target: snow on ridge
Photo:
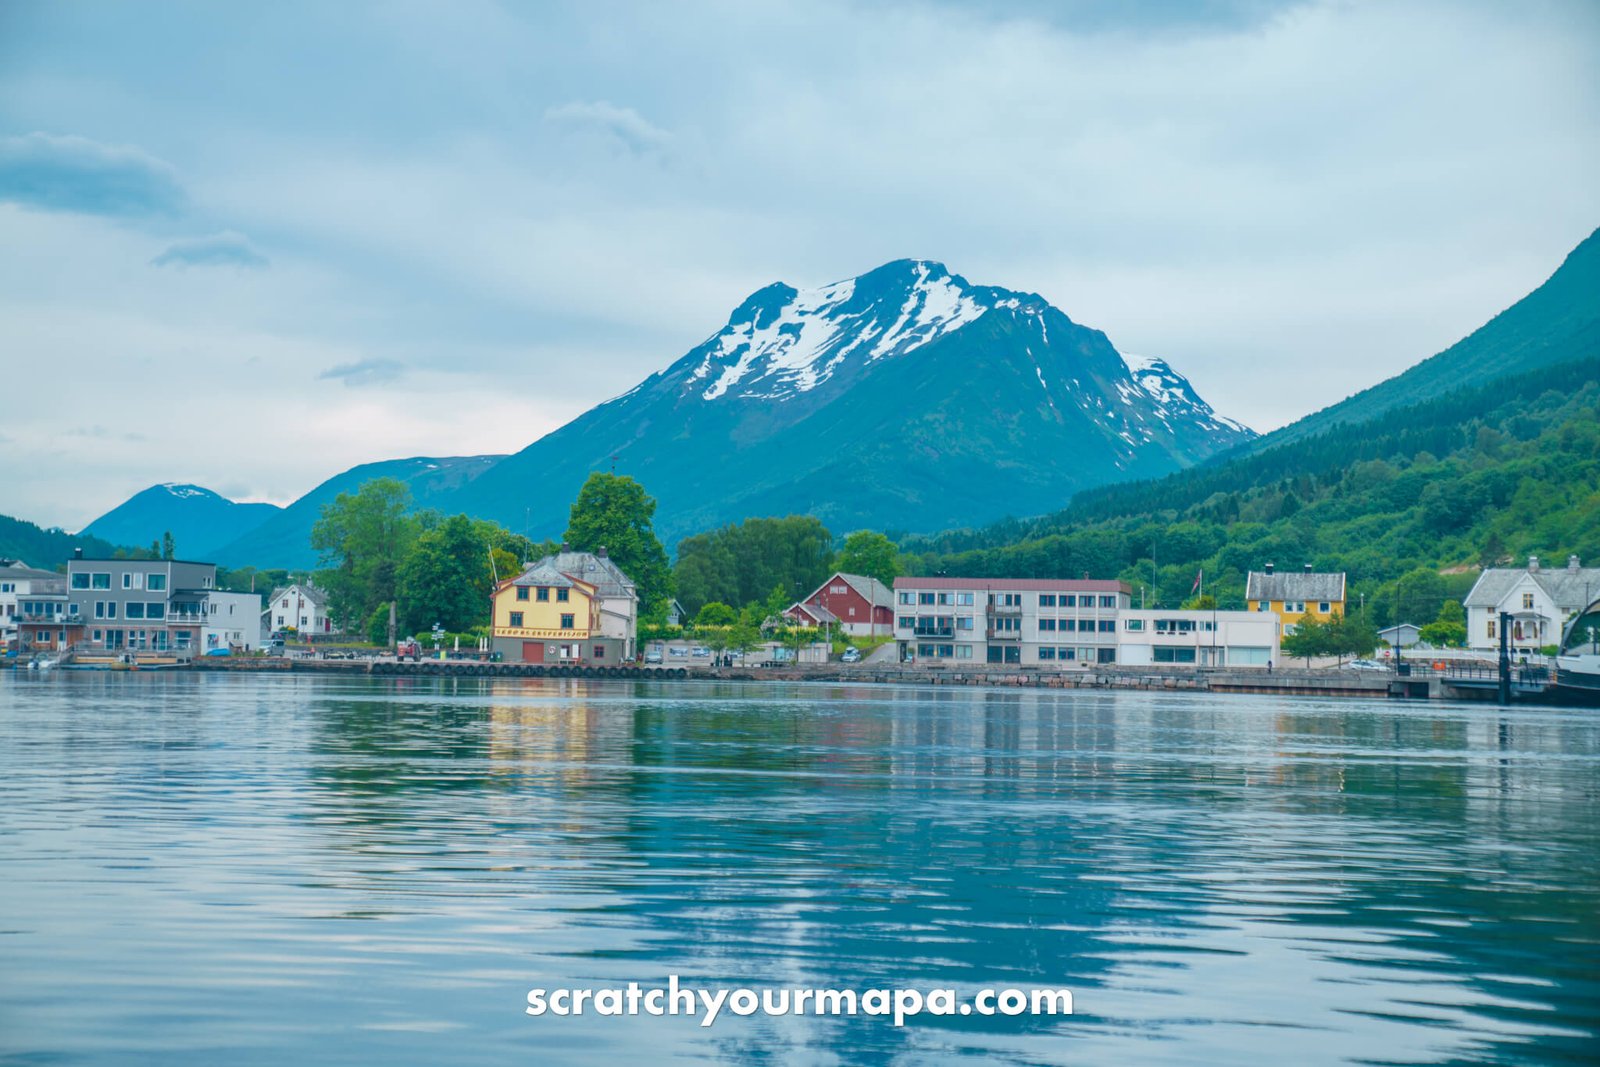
(185, 492)
(812, 335)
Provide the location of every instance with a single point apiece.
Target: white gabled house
(1540, 602)
(301, 607)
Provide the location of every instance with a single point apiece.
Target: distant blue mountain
(199, 520)
(284, 539)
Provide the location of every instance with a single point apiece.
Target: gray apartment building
(155, 605)
(1020, 621)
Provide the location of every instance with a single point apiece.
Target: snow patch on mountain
(186, 492)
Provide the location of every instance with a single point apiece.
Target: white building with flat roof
(1049, 622)
(1200, 638)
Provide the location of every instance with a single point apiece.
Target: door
(533, 651)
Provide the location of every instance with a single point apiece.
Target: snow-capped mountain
(199, 520)
(906, 399)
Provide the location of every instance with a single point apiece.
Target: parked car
(652, 655)
(1365, 665)
(851, 655)
(700, 652)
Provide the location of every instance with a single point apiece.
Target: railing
(1004, 635)
(1005, 609)
(934, 631)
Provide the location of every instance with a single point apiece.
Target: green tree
(362, 538)
(738, 564)
(715, 614)
(871, 553)
(169, 547)
(614, 512)
(1311, 638)
(378, 625)
(445, 578)
(742, 637)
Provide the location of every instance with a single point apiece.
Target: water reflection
(259, 869)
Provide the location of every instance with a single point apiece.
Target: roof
(318, 597)
(21, 572)
(1571, 588)
(1044, 585)
(1295, 585)
(816, 612)
(865, 586)
(596, 570)
(544, 572)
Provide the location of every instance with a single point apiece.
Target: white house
(1202, 638)
(299, 607)
(230, 620)
(1540, 602)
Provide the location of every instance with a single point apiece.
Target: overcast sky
(250, 245)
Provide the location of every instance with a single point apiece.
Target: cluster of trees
(1341, 636)
(377, 551)
(1409, 505)
(765, 560)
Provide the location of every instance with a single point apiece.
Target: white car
(851, 655)
(652, 655)
(1365, 665)
(700, 652)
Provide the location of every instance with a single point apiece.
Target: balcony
(933, 631)
(1005, 609)
(1003, 635)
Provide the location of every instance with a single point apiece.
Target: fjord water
(203, 869)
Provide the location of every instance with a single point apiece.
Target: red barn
(859, 605)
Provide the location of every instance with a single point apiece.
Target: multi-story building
(1539, 600)
(112, 605)
(1015, 621)
(571, 607)
(1201, 638)
(1295, 595)
(231, 620)
(24, 591)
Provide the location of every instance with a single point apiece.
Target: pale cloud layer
(455, 228)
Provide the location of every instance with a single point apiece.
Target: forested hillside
(43, 548)
(1481, 475)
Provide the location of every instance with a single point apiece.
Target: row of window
(156, 583)
(567, 621)
(950, 625)
(142, 640)
(1088, 626)
(1323, 607)
(133, 609)
(543, 597)
(1078, 655)
(1008, 600)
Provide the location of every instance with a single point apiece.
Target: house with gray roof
(616, 596)
(1296, 595)
(859, 604)
(1540, 600)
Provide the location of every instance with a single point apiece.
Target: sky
(251, 245)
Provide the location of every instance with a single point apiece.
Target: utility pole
(1505, 658)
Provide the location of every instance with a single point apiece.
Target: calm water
(266, 870)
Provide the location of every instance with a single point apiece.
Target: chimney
(1572, 563)
(77, 553)
(1308, 568)
(1269, 568)
(1533, 564)
(565, 547)
(601, 551)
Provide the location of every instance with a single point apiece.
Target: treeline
(767, 561)
(1409, 505)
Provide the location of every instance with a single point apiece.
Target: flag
(1199, 576)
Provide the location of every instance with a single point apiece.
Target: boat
(41, 662)
(1577, 673)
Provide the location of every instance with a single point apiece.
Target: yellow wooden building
(546, 616)
(1296, 595)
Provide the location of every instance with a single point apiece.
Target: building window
(1046, 600)
(1069, 601)
(599, 651)
(1527, 601)
(280, 620)
(1135, 625)
(80, 580)
(1047, 624)
(111, 609)
(156, 583)
(907, 598)
(1069, 625)
(837, 589)
(566, 622)
(516, 618)
(1067, 653)
(1323, 607)
(964, 600)
(963, 622)
(100, 580)
(135, 610)
(963, 652)
(1172, 655)
(1047, 653)
(303, 622)
(563, 595)
(284, 605)
(1108, 626)
(544, 594)
(907, 622)
(925, 598)
(1493, 630)
(522, 592)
